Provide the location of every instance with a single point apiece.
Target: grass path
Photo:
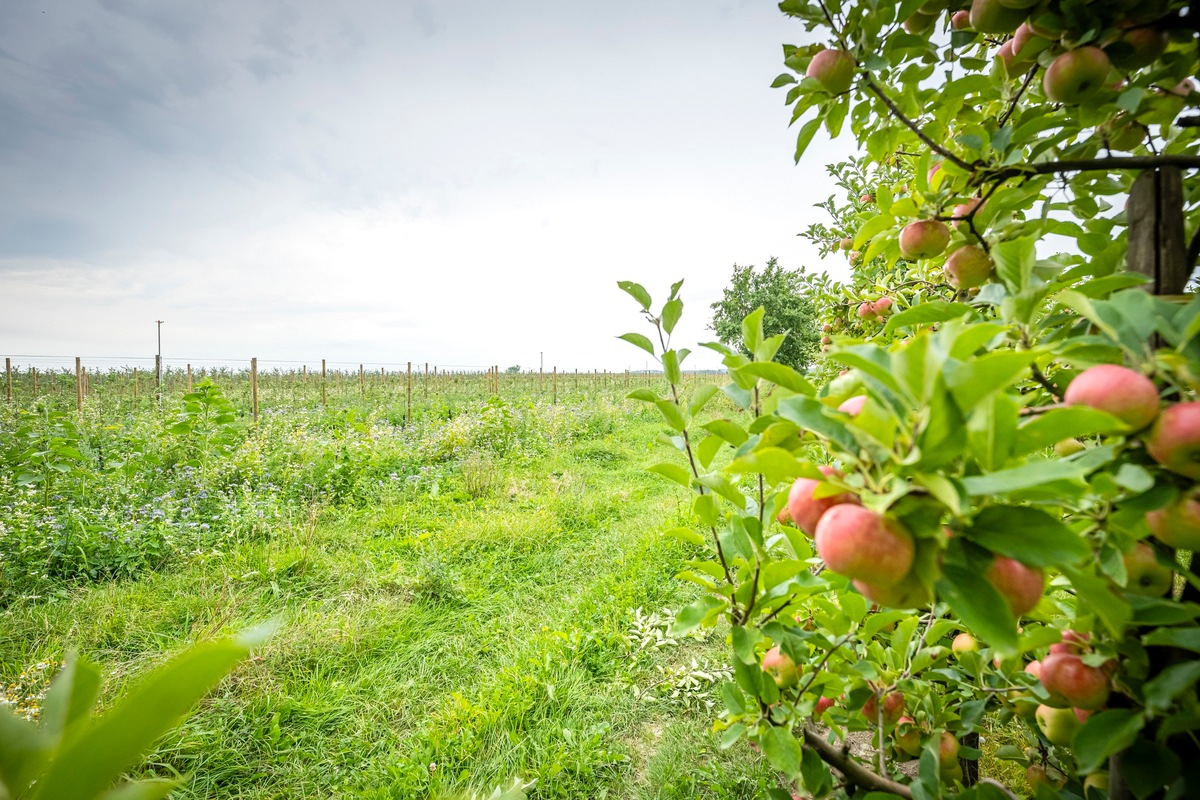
(434, 643)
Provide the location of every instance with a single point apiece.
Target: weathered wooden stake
(408, 410)
(254, 387)
(1156, 232)
(322, 383)
(361, 385)
(78, 385)
(33, 376)
(8, 376)
(555, 399)
(189, 370)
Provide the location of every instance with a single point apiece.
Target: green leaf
(702, 611)
(1029, 535)
(141, 790)
(638, 340)
(729, 431)
(752, 329)
(24, 748)
(645, 395)
(71, 697)
(779, 374)
(1095, 594)
(804, 138)
(972, 381)
(700, 398)
(672, 472)
(1026, 476)
(707, 449)
(1103, 734)
(775, 464)
(1183, 638)
(1161, 690)
(686, 535)
(672, 414)
(1148, 766)
(670, 362)
(782, 750)
(87, 764)
(980, 607)
(636, 291)
(927, 313)
(1014, 261)
(813, 416)
(1052, 427)
(814, 773)
(672, 311)
(783, 79)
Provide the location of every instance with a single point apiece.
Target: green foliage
(77, 754)
(785, 297)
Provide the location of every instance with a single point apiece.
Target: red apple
(861, 544)
(1120, 391)
(968, 266)
(924, 239)
(1137, 48)
(1020, 585)
(1174, 441)
(893, 709)
(963, 210)
(919, 23)
(781, 668)
(866, 310)
(1122, 132)
(846, 243)
(805, 509)
(1037, 774)
(833, 69)
(992, 16)
(1066, 676)
(883, 306)
(947, 747)
(1145, 575)
(964, 643)
(823, 705)
(1076, 75)
(961, 20)
(854, 405)
(867, 198)
(1177, 525)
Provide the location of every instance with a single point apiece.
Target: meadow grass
(464, 627)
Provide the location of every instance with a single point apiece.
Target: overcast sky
(456, 182)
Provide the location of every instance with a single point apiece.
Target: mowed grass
(469, 629)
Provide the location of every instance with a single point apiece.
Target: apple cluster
(1171, 437)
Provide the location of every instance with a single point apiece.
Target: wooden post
(254, 388)
(135, 383)
(322, 383)
(577, 379)
(425, 383)
(361, 386)
(78, 385)
(408, 409)
(8, 376)
(555, 397)
(189, 369)
(33, 376)
(158, 378)
(1156, 232)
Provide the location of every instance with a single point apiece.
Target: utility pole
(158, 364)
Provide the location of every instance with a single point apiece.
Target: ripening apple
(805, 509)
(1177, 525)
(1058, 725)
(867, 198)
(1145, 575)
(1004, 53)
(1020, 585)
(882, 306)
(964, 643)
(924, 239)
(1126, 394)
(1024, 47)
(893, 709)
(854, 405)
(866, 310)
(947, 749)
(961, 20)
(992, 16)
(846, 243)
(1037, 774)
(1076, 75)
(1065, 676)
(1122, 132)
(784, 517)
(964, 210)
(968, 266)
(1174, 441)
(781, 668)
(919, 23)
(907, 737)
(853, 256)
(1137, 47)
(823, 705)
(1095, 785)
(833, 69)
(1069, 447)
(908, 593)
(861, 544)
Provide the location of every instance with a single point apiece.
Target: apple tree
(981, 509)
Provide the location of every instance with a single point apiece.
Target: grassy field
(479, 595)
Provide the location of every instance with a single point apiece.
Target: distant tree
(787, 304)
(514, 368)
